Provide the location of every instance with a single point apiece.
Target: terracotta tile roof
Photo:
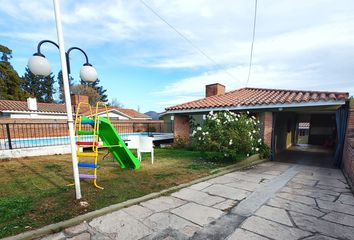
(10, 105)
(260, 96)
(131, 113)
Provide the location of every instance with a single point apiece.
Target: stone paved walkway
(270, 201)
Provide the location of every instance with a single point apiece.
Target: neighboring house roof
(53, 108)
(247, 98)
(21, 106)
(130, 113)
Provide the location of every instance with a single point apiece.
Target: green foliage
(100, 90)
(227, 136)
(42, 88)
(179, 143)
(10, 82)
(265, 151)
(6, 53)
(61, 86)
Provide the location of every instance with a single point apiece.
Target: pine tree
(61, 86)
(42, 88)
(10, 82)
(101, 91)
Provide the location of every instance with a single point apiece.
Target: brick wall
(266, 119)
(181, 127)
(348, 151)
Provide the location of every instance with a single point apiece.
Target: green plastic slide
(119, 150)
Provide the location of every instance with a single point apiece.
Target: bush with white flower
(228, 135)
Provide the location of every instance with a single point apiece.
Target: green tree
(42, 88)
(61, 86)
(10, 82)
(100, 90)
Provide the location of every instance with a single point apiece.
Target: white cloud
(299, 44)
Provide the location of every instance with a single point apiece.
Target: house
(30, 109)
(283, 115)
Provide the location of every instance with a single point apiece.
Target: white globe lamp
(88, 73)
(39, 65)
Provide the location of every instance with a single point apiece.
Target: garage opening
(305, 138)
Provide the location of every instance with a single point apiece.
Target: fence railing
(27, 135)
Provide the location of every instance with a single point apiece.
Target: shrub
(265, 151)
(179, 143)
(227, 135)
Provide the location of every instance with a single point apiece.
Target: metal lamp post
(39, 65)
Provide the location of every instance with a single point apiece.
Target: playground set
(101, 128)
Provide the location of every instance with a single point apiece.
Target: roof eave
(33, 112)
(260, 106)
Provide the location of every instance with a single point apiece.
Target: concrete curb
(56, 227)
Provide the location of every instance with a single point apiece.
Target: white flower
(252, 148)
(230, 142)
(206, 133)
(257, 149)
(203, 133)
(259, 140)
(200, 138)
(199, 128)
(253, 117)
(194, 132)
(248, 112)
(248, 154)
(254, 131)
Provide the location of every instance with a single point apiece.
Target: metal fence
(27, 135)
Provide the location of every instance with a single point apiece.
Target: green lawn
(34, 191)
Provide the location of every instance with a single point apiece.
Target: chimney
(32, 104)
(76, 99)
(214, 89)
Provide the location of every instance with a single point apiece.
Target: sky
(146, 65)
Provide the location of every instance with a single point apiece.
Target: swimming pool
(18, 143)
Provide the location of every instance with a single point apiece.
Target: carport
(309, 135)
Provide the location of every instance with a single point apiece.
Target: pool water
(52, 141)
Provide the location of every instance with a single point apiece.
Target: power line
(253, 36)
(188, 40)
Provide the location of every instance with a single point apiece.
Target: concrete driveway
(270, 201)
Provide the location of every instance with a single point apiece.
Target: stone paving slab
(297, 198)
(226, 192)
(319, 237)
(200, 186)
(296, 207)
(137, 211)
(161, 221)
(198, 214)
(275, 214)
(197, 197)
(241, 234)
(346, 199)
(120, 225)
(245, 185)
(227, 204)
(162, 203)
(272, 229)
(336, 206)
(313, 224)
(341, 218)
